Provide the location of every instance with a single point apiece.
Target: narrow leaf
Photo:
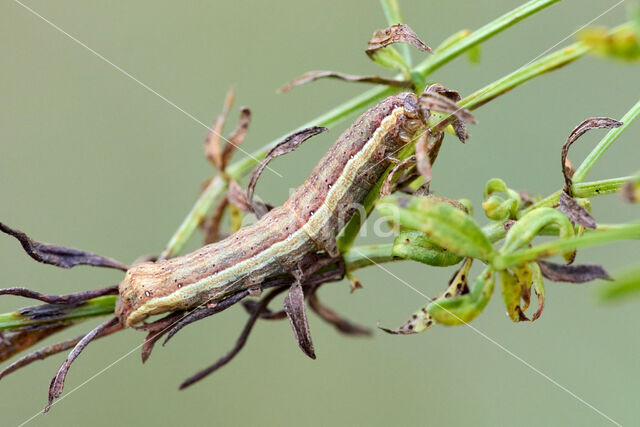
(581, 129)
(625, 286)
(285, 146)
(237, 137)
(60, 256)
(445, 225)
(399, 33)
(316, 75)
(212, 145)
(294, 306)
(572, 273)
(576, 213)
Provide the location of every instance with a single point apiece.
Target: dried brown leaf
(285, 146)
(399, 33)
(387, 186)
(57, 383)
(213, 147)
(340, 323)
(237, 137)
(60, 256)
(237, 196)
(211, 226)
(242, 339)
(316, 75)
(573, 273)
(576, 213)
(581, 129)
(60, 299)
(294, 306)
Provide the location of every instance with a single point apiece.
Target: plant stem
(605, 143)
(98, 306)
(583, 189)
(217, 187)
(544, 250)
(391, 10)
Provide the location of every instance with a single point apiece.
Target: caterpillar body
(307, 222)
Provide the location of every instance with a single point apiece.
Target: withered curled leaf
(387, 186)
(242, 339)
(285, 146)
(581, 129)
(340, 323)
(431, 100)
(573, 273)
(294, 306)
(576, 213)
(60, 256)
(316, 75)
(237, 137)
(212, 145)
(237, 196)
(60, 299)
(399, 33)
(57, 383)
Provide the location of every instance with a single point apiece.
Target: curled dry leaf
(458, 124)
(212, 145)
(573, 273)
(581, 129)
(294, 306)
(421, 319)
(237, 196)
(242, 339)
(211, 226)
(58, 255)
(57, 383)
(60, 299)
(432, 101)
(577, 214)
(285, 146)
(340, 323)
(237, 137)
(387, 186)
(41, 354)
(399, 33)
(316, 75)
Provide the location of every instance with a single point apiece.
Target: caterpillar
(307, 222)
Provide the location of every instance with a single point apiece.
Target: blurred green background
(90, 159)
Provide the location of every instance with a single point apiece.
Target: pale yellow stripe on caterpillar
(209, 284)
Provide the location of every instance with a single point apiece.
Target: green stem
(98, 306)
(364, 256)
(522, 75)
(583, 189)
(216, 188)
(391, 10)
(545, 250)
(481, 34)
(605, 143)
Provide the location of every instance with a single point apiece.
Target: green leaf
(390, 58)
(444, 225)
(463, 309)
(627, 285)
(530, 225)
(416, 246)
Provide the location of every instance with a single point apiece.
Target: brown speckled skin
(152, 284)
